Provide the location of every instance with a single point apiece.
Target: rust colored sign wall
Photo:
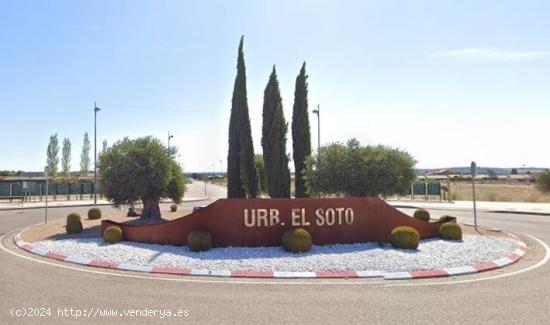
(262, 222)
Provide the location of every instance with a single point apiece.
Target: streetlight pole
(96, 109)
(474, 173)
(221, 168)
(170, 136)
(318, 112)
(46, 176)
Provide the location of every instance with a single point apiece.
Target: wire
(132, 107)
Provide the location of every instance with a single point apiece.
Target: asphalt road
(37, 282)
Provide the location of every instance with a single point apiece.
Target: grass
(499, 193)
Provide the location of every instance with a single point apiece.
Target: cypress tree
(241, 174)
(301, 137)
(274, 131)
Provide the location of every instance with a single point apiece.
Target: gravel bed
(432, 253)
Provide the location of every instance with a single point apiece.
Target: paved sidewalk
(507, 207)
(53, 204)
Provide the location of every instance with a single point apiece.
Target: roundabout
(210, 299)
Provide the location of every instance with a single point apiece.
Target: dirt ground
(56, 229)
(499, 193)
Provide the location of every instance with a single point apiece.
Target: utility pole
(96, 109)
(318, 112)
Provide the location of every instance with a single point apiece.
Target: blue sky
(448, 81)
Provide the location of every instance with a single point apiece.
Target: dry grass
(499, 193)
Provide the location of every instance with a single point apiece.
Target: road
(517, 299)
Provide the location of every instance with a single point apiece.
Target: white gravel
(433, 253)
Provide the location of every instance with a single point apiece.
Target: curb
(507, 259)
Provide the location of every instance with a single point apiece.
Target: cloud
(490, 54)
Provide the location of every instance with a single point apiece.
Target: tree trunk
(151, 210)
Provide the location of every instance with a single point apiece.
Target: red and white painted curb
(508, 258)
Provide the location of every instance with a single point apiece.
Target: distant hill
(484, 170)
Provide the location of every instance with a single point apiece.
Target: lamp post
(221, 168)
(473, 167)
(46, 176)
(170, 136)
(318, 112)
(96, 109)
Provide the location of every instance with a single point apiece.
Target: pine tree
(301, 137)
(274, 131)
(241, 174)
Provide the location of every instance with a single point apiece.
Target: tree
(141, 169)
(354, 170)
(52, 153)
(301, 137)
(241, 174)
(104, 145)
(543, 181)
(260, 170)
(514, 171)
(66, 157)
(177, 186)
(85, 156)
(491, 173)
(274, 131)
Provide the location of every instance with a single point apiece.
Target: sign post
(47, 183)
(474, 173)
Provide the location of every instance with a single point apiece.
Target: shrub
(297, 240)
(199, 241)
(450, 231)
(112, 235)
(74, 223)
(422, 214)
(94, 213)
(405, 238)
(446, 219)
(174, 208)
(543, 181)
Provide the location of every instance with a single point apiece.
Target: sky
(447, 81)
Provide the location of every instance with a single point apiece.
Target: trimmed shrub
(446, 219)
(174, 208)
(297, 240)
(94, 213)
(450, 231)
(405, 237)
(112, 235)
(422, 214)
(199, 241)
(74, 223)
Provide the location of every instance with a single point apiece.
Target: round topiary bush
(113, 234)
(94, 213)
(405, 238)
(450, 231)
(297, 240)
(74, 224)
(422, 214)
(199, 241)
(173, 208)
(446, 219)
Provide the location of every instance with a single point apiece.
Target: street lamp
(170, 136)
(318, 112)
(96, 109)
(46, 176)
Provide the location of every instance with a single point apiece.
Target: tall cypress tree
(241, 174)
(274, 131)
(301, 137)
